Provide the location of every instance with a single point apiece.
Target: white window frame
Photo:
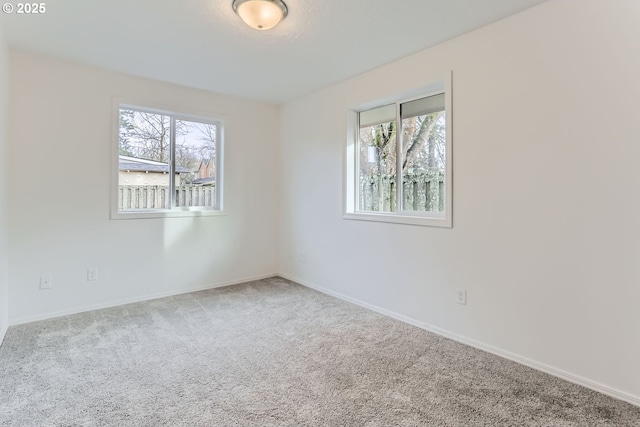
(173, 211)
(350, 204)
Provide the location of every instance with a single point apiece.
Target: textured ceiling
(203, 44)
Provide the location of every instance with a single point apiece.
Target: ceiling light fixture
(260, 14)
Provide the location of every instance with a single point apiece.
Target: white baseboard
(562, 374)
(115, 303)
(3, 332)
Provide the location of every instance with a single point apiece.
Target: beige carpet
(271, 353)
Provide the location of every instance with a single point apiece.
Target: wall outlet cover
(461, 296)
(46, 281)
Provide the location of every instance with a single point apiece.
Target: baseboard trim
(559, 373)
(115, 303)
(3, 333)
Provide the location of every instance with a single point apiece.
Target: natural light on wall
(260, 14)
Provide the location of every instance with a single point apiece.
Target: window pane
(423, 155)
(377, 160)
(196, 164)
(143, 164)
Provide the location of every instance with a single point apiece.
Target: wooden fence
(157, 196)
(420, 192)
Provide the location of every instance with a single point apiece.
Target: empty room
(202, 222)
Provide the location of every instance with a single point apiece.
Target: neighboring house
(206, 174)
(135, 171)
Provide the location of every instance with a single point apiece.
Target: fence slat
(421, 192)
(135, 197)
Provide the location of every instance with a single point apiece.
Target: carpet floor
(272, 353)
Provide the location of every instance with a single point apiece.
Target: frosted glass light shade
(260, 14)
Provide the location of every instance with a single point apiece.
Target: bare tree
(423, 145)
(426, 130)
(148, 135)
(208, 136)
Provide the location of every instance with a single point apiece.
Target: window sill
(165, 214)
(428, 221)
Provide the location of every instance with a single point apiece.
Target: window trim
(443, 84)
(173, 212)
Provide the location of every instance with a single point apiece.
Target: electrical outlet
(301, 257)
(461, 296)
(46, 281)
(92, 274)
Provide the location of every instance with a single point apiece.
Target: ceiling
(203, 44)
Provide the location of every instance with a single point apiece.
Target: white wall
(546, 234)
(61, 133)
(4, 232)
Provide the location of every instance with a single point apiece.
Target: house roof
(205, 162)
(204, 181)
(134, 164)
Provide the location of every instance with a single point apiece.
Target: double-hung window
(166, 164)
(399, 159)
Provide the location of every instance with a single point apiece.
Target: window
(399, 159)
(167, 164)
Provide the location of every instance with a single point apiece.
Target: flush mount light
(260, 14)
